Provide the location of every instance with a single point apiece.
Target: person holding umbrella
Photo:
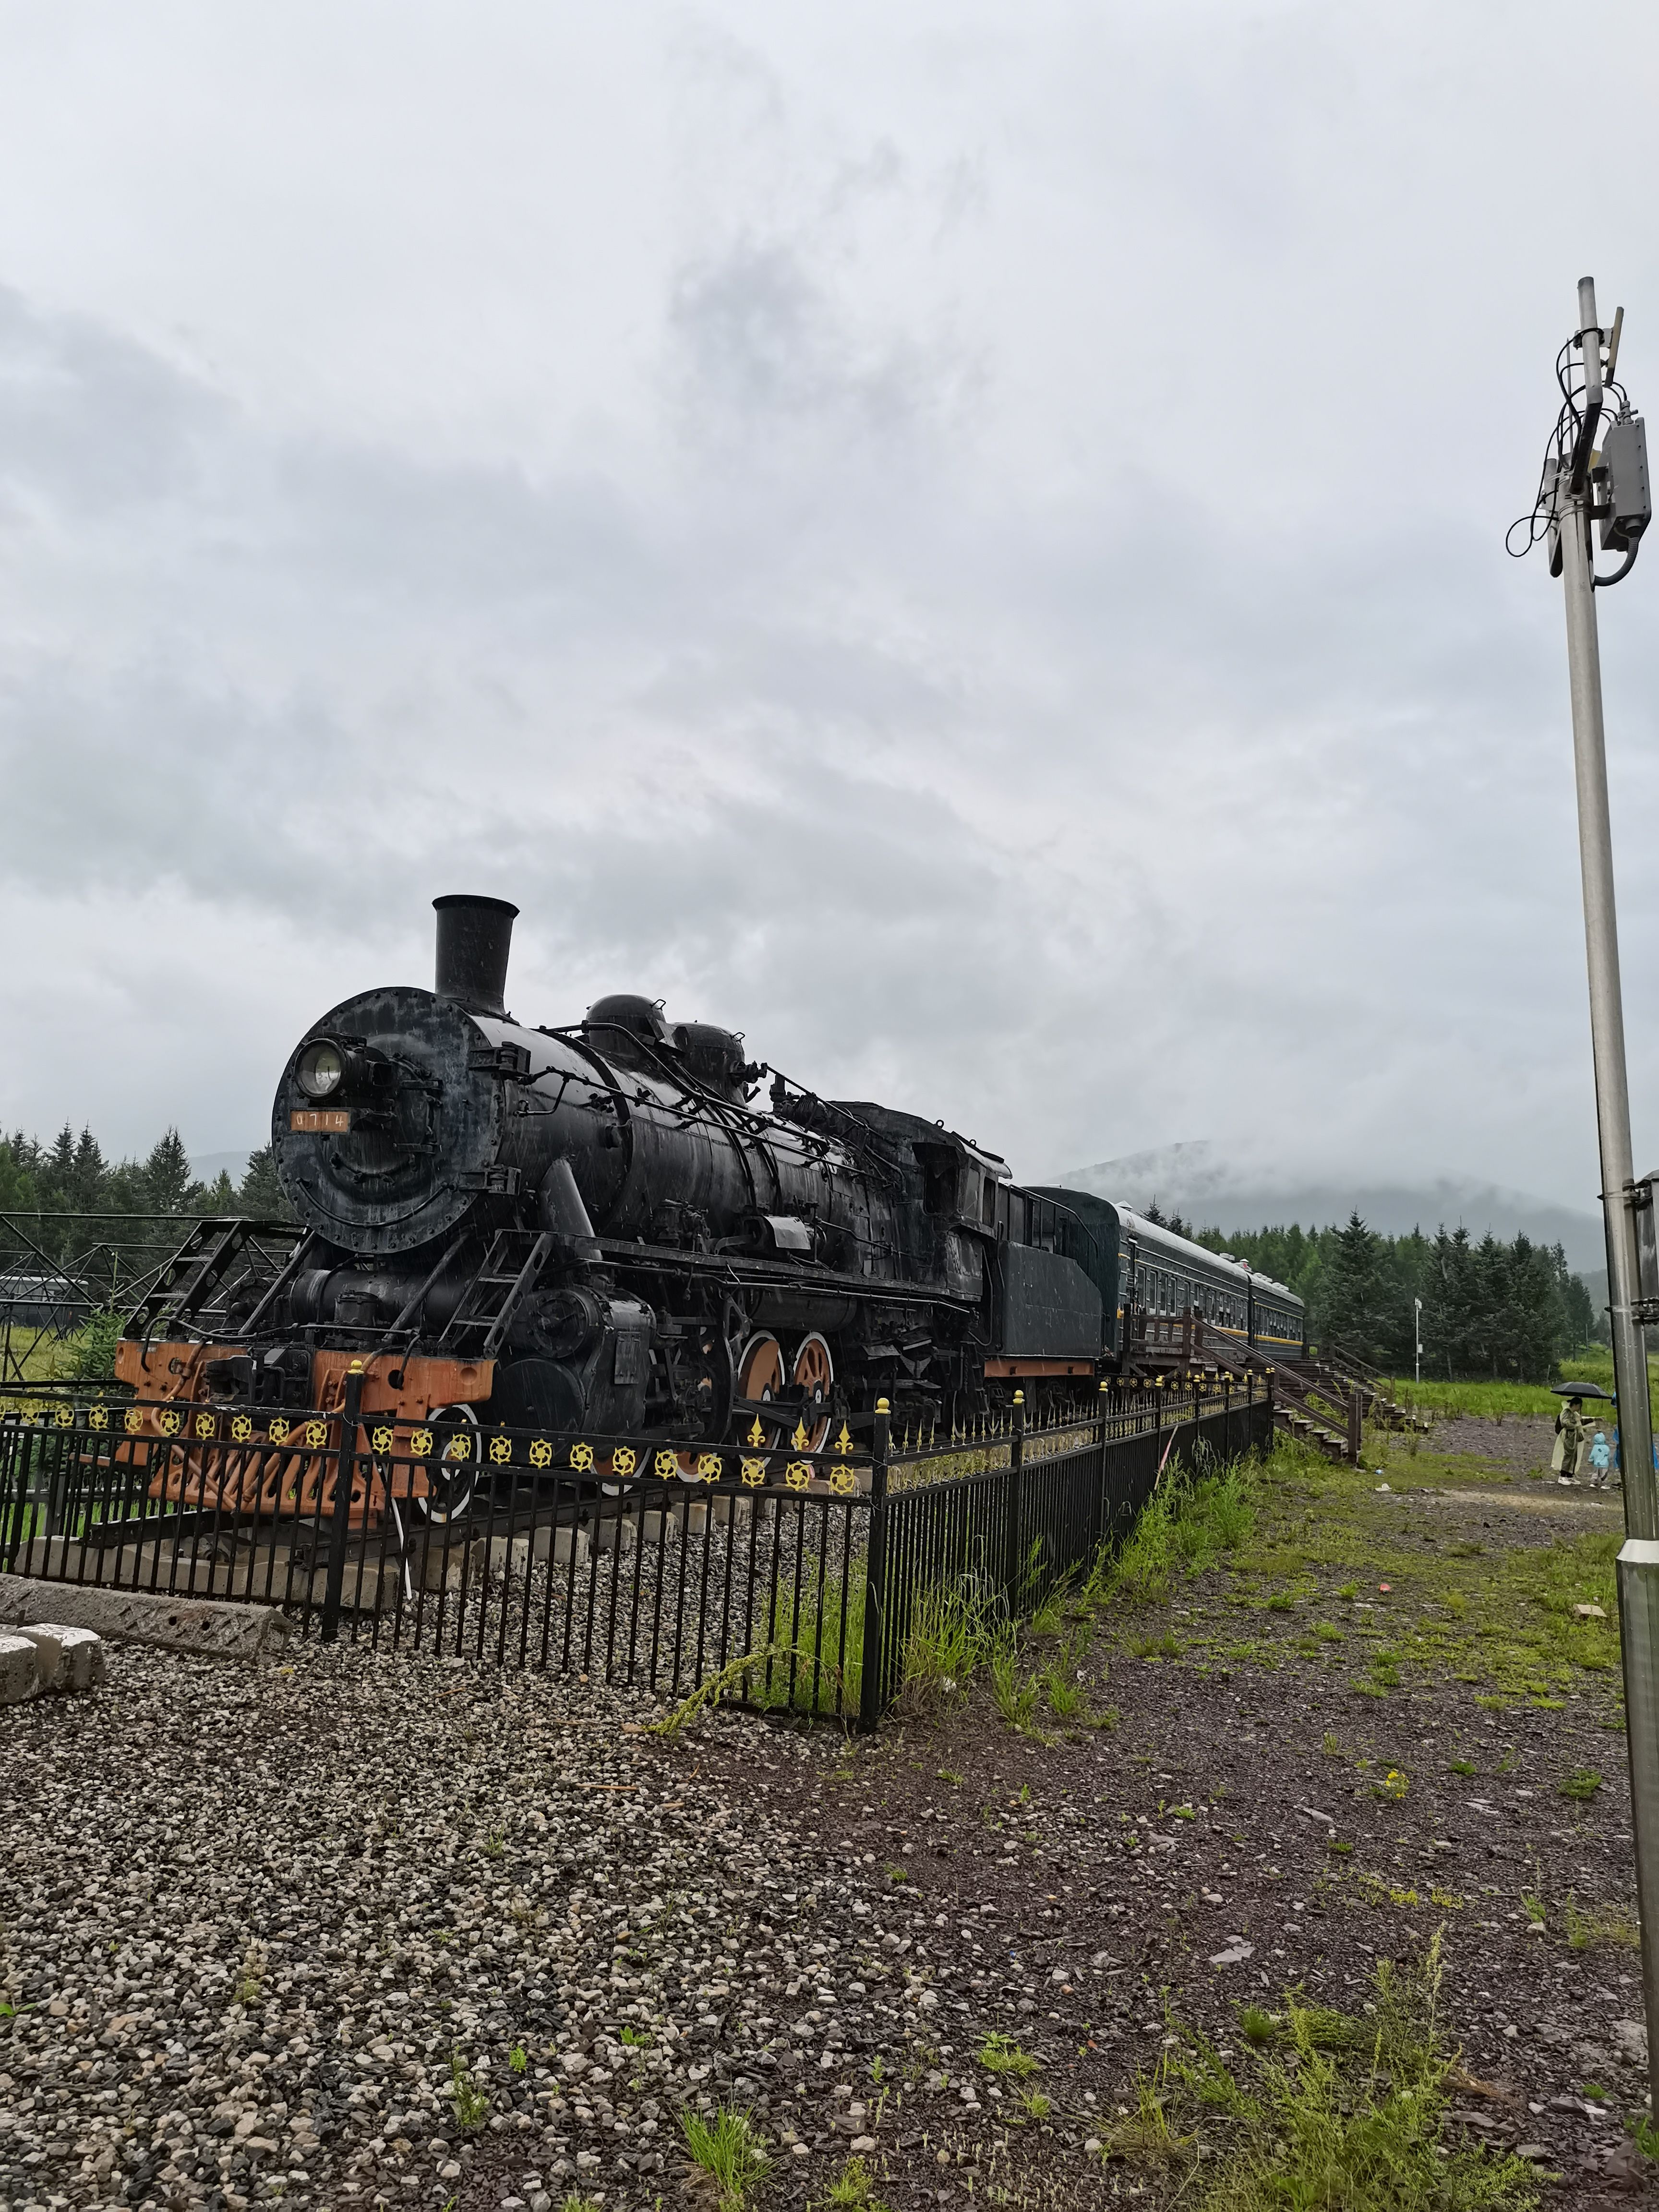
(1570, 1455)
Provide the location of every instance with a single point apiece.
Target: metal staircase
(1325, 1399)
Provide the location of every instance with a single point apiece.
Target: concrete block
(561, 1544)
(19, 1669)
(173, 1623)
(69, 1658)
(687, 1520)
(511, 1555)
(610, 1534)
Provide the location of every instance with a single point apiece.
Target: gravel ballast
(259, 1924)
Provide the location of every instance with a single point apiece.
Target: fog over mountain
(1211, 1189)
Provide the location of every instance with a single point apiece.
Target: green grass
(1486, 1400)
(1583, 1785)
(852, 2189)
(1013, 1691)
(1498, 1618)
(1610, 1929)
(726, 2147)
(813, 1663)
(1496, 1400)
(1001, 2056)
(826, 1629)
(1257, 2027)
(1325, 2111)
(742, 1676)
(1188, 1524)
(1061, 1688)
(944, 1646)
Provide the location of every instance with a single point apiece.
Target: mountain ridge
(1197, 1181)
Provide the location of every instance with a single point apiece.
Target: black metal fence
(787, 1573)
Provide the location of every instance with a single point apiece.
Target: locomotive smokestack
(475, 936)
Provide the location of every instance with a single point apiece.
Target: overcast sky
(964, 542)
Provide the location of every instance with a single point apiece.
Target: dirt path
(1356, 1733)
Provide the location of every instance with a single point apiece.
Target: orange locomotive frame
(256, 1474)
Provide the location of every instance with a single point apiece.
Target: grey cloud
(89, 421)
(1083, 785)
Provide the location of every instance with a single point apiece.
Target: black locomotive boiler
(598, 1228)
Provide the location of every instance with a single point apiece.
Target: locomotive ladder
(205, 1264)
(507, 1274)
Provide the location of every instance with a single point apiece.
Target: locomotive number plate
(316, 1118)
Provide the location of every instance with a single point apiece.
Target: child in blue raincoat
(1600, 1459)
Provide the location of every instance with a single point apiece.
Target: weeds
(253, 1976)
(852, 2188)
(1063, 1689)
(1583, 1786)
(472, 2105)
(1015, 1693)
(726, 2147)
(730, 1677)
(1187, 1523)
(1587, 1931)
(1336, 2111)
(945, 1645)
(517, 2058)
(1000, 2055)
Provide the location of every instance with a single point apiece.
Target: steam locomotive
(596, 1228)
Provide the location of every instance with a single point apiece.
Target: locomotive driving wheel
(760, 1379)
(453, 1474)
(814, 1374)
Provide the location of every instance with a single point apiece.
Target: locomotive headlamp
(321, 1070)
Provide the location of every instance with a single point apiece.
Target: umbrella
(1580, 1390)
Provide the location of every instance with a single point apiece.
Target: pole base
(1639, 1616)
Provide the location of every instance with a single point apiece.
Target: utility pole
(1417, 1333)
(1582, 486)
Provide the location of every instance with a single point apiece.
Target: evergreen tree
(1172, 1222)
(1353, 1310)
(168, 1185)
(219, 1197)
(1494, 1309)
(261, 1195)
